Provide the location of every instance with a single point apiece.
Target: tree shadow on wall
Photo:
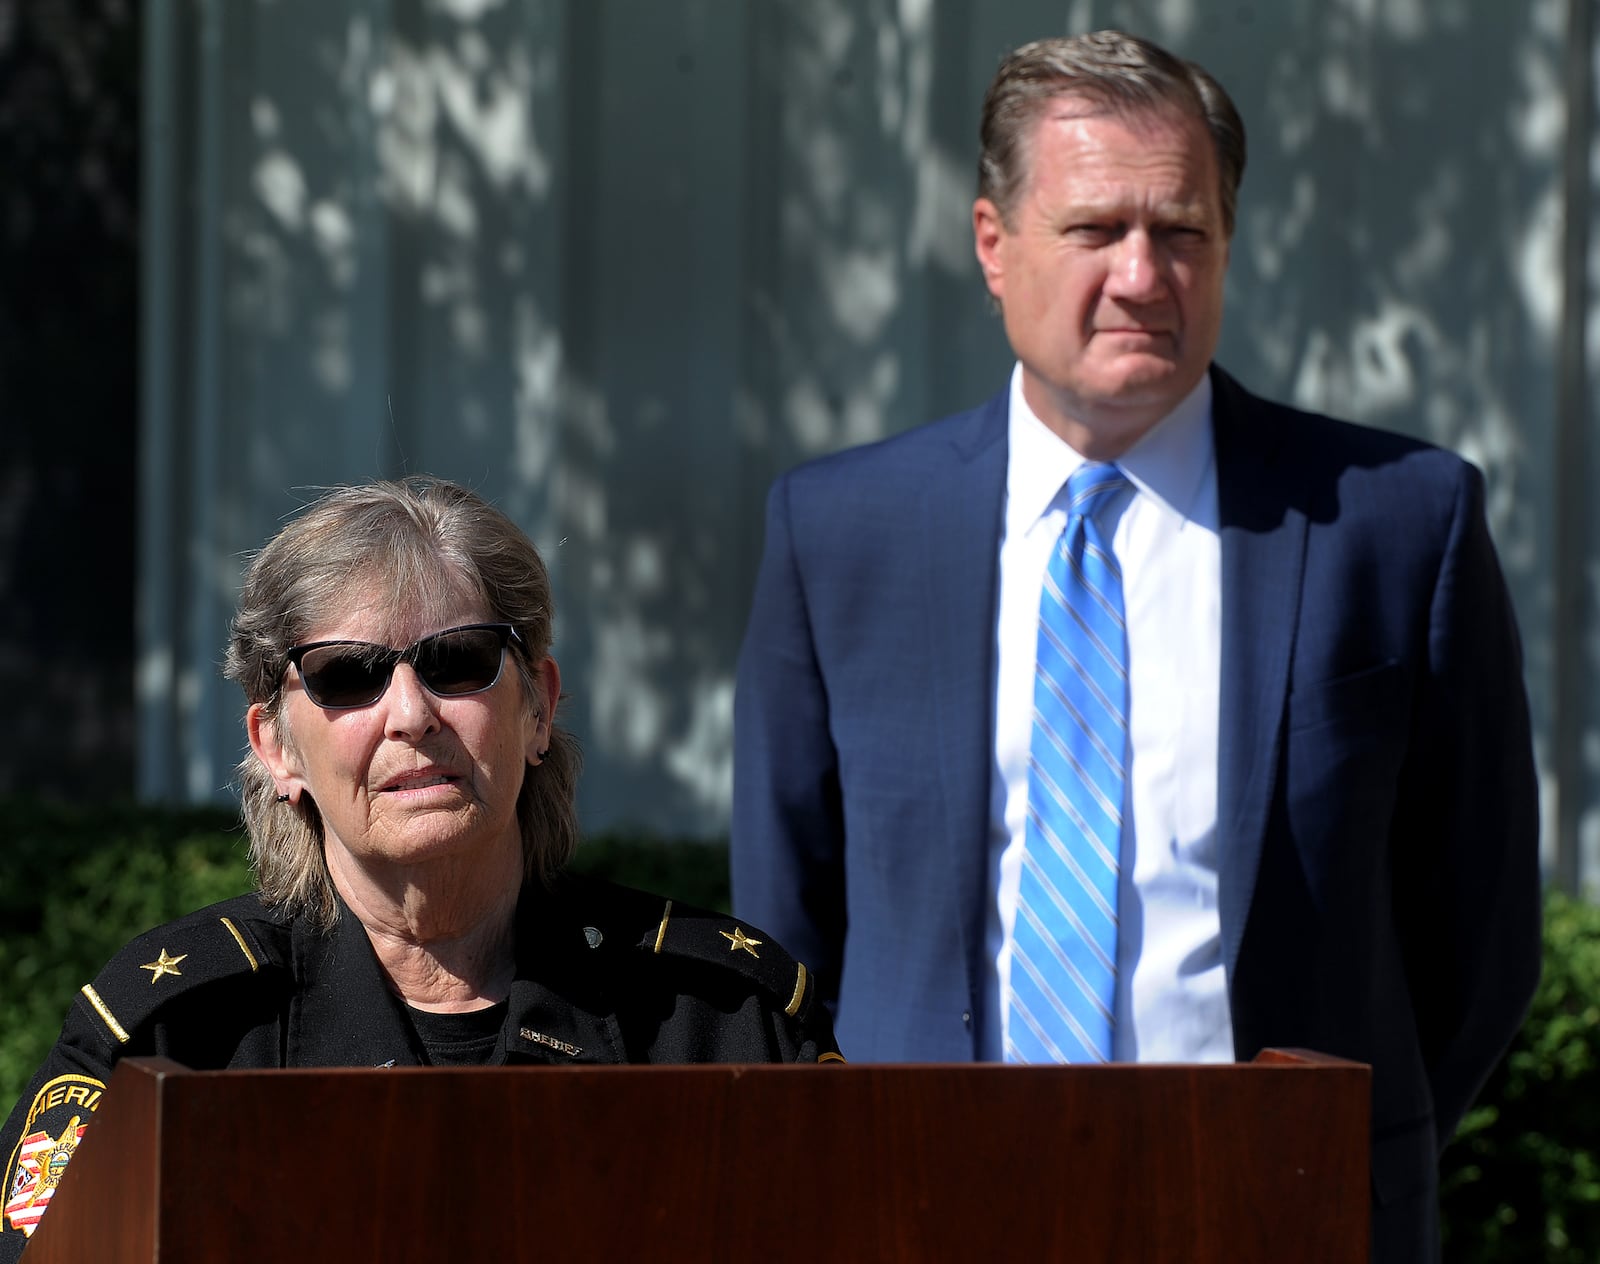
(618, 265)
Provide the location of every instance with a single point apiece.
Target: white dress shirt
(1171, 1003)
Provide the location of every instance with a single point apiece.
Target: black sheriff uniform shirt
(604, 974)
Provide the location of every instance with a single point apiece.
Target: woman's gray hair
(1120, 73)
(419, 541)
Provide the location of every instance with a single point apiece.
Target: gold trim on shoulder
(165, 965)
(799, 991)
(738, 939)
(106, 1015)
(243, 947)
(830, 1056)
(662, 933)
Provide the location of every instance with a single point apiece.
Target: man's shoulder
(1318, 445)
(959, 437)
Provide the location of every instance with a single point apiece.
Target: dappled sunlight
(873, 178)
(282, 189)
(405, 109)
(1535, 251)
(536, 355)
(861, 290)
(627, 653)
(1379, 252)
(616, 267)
(702, 758)
(490, 108)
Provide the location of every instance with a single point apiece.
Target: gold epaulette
(221, 942)
(684, 931)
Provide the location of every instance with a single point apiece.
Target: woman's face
(412, 777)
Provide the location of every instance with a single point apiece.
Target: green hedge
(1521, 1182)
(78, 883)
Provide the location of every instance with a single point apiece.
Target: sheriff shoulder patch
(55, 1125)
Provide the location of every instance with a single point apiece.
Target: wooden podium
(1224, 1164)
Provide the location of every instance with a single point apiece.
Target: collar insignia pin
(549, 1042)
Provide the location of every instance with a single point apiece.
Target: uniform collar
(561, 1007)
(345, 1014)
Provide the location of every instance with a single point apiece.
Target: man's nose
(1135, 268)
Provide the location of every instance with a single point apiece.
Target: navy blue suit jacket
(1377, 813)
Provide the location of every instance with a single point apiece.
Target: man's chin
(1143, 380)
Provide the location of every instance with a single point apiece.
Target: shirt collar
(1168, 464)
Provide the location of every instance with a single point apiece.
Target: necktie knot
(1091, 485)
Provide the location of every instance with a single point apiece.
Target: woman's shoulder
(698, 953)
(660, 926)
(238, 939)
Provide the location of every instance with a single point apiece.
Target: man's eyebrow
(1187, 210)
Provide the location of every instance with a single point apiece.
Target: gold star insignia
(164, 965)
(738, 939)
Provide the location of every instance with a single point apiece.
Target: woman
(410, 804)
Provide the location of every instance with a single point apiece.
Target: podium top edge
(1275, 1061)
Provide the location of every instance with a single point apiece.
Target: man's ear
(278, 755)
(546, 693)
(988, 235)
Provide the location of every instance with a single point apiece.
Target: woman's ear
(546, 692)
(278, 755)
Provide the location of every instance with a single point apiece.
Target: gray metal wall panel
(617, 264)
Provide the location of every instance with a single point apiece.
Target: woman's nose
(412, 710)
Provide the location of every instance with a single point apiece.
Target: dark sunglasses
(338, 675)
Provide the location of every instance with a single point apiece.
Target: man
(1223, 746)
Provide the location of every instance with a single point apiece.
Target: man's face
(1110, 270)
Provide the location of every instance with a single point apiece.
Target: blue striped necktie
(1064, 945)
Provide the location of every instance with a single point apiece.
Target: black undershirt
(466, 1039)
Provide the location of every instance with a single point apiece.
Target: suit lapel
(962, 517)
(1263, 560)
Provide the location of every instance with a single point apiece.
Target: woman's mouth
(416, 781)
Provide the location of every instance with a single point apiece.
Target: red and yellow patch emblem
(56, 1123)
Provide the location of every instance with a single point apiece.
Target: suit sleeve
(1468, 900)
(787, 846)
